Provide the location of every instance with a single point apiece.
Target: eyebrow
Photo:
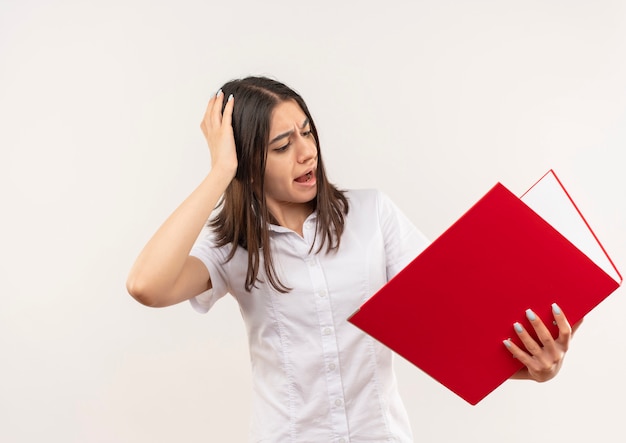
(288, 133)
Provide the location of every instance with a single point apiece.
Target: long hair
(243, 217)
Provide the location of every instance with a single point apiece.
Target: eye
(282, 148)
(307, 133)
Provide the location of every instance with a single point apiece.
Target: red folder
(448, 311)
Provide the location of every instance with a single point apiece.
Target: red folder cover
(448, 311)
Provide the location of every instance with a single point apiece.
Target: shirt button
(322, 293)
(338, 402)
(332, 366)
(327, 331)
(312, 263)
(342, 440)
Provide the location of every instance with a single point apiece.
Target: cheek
(276, 170)
(272, 179)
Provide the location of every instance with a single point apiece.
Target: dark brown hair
(243, 217)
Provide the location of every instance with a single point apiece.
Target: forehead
(284, 116)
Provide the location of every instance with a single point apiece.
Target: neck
(292, 216)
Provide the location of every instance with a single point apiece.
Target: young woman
(299, 256)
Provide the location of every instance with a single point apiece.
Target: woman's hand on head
(542, 360)
(218, 131)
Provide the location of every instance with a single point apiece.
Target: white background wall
(431, 101)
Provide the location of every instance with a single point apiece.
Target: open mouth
(305, 178)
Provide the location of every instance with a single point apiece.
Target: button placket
(330, 347)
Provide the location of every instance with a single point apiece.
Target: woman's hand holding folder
(542, 361)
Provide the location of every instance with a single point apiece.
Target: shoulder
(370, 206)
(363, 196)
(367, 200)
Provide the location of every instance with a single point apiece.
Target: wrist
(223, 175)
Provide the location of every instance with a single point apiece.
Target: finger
(543, 334)
(216, 111)
(565, 330)
(518, 353)
(207, 115)
(227, 117)
(529, 343)
(209, 107)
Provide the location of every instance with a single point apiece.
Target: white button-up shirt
(316, 377)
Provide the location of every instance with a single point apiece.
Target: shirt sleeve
(403, 241)
(214, 259)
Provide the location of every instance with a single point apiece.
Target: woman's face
(290, 170)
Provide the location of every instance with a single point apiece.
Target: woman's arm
(164, 273)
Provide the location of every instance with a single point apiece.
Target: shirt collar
(281, 229)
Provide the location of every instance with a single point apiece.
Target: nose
(306, 148)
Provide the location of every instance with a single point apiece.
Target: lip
(310, 182)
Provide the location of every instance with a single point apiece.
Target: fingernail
(507, 342)
(555, 309)
(230, 97)
(518, 327)
(530, 315)
(218, 93)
